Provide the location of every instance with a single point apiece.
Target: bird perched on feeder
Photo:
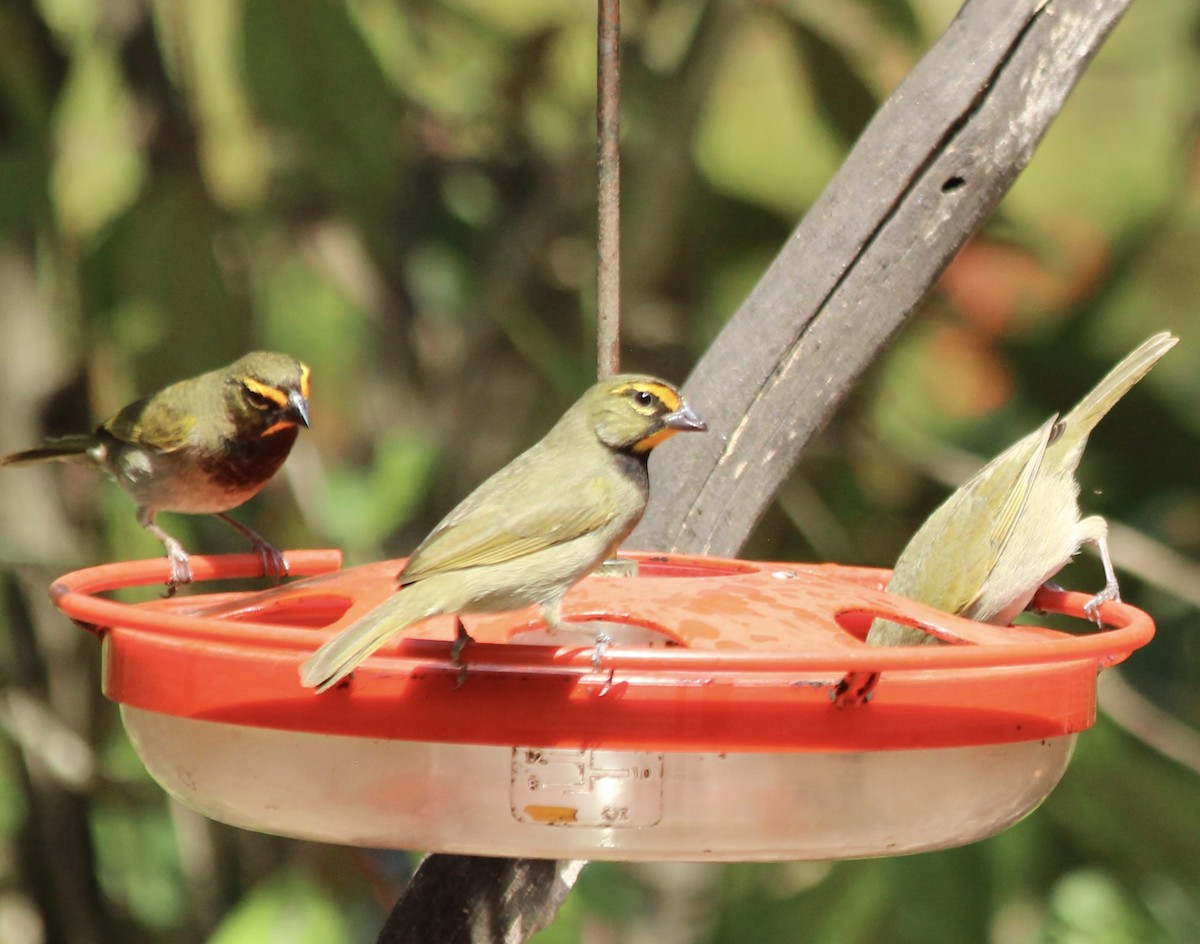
(989, 547)
(200, 446)
(532, 530)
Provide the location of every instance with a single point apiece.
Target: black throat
(247, 460)
(633, 466)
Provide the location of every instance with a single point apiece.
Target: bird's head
(267, 392)
(634, 413)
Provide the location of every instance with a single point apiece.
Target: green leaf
(845, 99)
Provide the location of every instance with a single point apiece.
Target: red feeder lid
(757, 650)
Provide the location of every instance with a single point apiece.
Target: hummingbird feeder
(705, 731)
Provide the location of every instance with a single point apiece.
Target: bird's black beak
(684, 420)
(297, 408)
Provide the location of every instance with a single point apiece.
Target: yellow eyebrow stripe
(304, 374)
(666, 394)
(274, 394)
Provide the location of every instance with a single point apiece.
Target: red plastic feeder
(706, 732)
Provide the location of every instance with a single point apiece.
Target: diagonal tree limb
(455, 899)
(930, 167)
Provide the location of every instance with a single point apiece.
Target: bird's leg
(1094, 531)
(603, 641)
(461, 638)
(613, 567)
(181, 570)
(552, 616)
(274, 564)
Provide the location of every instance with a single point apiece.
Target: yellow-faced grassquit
(533, 529)
(200, 446)
(987, 549)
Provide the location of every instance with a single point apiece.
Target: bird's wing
(487, 528)
(965, 536)
(1010, 511)
(151, 422)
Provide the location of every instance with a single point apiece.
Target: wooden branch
(929, 168)
(478, 900)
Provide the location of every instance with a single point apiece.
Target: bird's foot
(274, 564)
(461, 638)
(1051, 585)
(1109, 594)
(603, 642)
(617, 567)
(855, 688)
(181, 568)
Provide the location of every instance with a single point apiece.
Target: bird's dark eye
(643, 398)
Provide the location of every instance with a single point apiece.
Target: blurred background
(402, 195)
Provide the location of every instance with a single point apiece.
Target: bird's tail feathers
(69, 448)
(1116, 383)
(340, 655)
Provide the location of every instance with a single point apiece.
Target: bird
(986, 550)
(202, 445)
(534, 528)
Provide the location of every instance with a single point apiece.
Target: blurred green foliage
(287, 909)
(402, 195)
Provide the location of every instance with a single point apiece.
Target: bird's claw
(461, 638)
(181, 568)
(1091, 609)
(855, 688)
(274, 564)
(460, 642)
(603, 641)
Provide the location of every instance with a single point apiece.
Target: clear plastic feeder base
(562, 803)
(706, 730)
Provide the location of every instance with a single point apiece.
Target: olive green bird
(200, 446)
(533, 529)
(987, 549)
